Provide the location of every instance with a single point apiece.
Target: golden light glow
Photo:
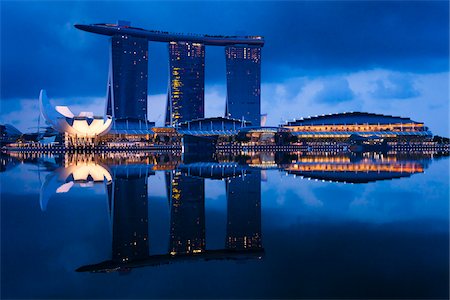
(364, 167)
(357, 127)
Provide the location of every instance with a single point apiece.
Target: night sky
(320, 57)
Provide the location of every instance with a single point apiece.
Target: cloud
(21, 113)
(395, 86)
(293, 98)
(24, 113)
(328, 38)
(13, 110)
(215, 96)
(429, 105)
(335, 91)
(305, 199)
(156, 108)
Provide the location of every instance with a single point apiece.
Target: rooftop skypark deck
(164, 36)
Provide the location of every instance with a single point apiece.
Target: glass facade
(127, 82)
(244, 212)
(186, 97)
(128, 199)
(187, 214)
(243, 67)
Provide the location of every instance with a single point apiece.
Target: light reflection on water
(310, 224)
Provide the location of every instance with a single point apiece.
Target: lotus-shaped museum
(61, 118)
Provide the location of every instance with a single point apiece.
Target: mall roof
(348, 118)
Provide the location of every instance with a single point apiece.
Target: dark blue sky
(40, 47)
(309, 40)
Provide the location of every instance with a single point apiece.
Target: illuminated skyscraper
(243, 64)
(127, 82)
(187, 214)
(186, 97)
(244, 212)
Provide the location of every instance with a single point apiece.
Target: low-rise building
(341, 126)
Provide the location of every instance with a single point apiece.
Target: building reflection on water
(128, 203)
(363, 168)
(244, 212)
(128, 199)
(187, 213)
(126, 180)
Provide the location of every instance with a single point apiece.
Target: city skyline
(225, 149)
(128, 73)
(350, 69)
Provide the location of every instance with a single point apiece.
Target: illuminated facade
(354, 170)
(81, 130)
(343, 125)
(243, 66)
(127, 82)
(244, 212)
(186, 95)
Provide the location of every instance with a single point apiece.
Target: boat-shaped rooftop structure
(165, 36)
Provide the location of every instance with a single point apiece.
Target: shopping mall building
(341, 126)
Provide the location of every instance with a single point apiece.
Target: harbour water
(247, 225)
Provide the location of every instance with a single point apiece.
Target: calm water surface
(253, 226)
